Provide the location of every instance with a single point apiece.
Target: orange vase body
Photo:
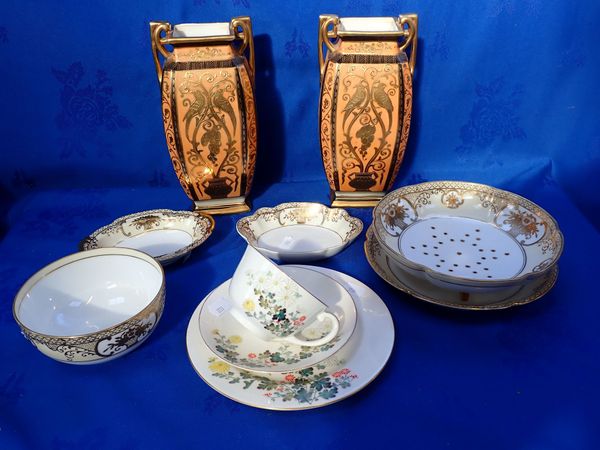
(365, 110)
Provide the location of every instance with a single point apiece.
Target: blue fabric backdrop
(506, 93)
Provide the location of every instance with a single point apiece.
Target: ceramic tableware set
(290, 336)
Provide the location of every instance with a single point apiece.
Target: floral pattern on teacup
(305, 386)
(273, 304)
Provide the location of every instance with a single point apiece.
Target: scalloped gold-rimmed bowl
(166, 235)
(467, 236)
(300, 231)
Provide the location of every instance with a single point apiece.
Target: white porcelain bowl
(91, 306)
(299, 232)
(169, 236)
(467, 236)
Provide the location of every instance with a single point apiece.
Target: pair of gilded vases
(208, 105)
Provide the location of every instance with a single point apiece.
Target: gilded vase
(365, 104)
(206, 76)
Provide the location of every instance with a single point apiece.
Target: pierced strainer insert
(464, 248)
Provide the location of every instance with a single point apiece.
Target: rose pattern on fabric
(93, 438)
(492, 117)
(304, 386)
(297, 44)
(439, 48)
(243, 3)
(67, 219)
(85, 111)
(415, 178)
(9, 277)
(11, 390)
(159, 179)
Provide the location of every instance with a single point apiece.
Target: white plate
(299, 232)
(338, 377)
(238, 346)
(163, 234)
(396, 275)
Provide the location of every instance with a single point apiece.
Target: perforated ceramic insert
(299, 238)
(464, 248)
(158, 242)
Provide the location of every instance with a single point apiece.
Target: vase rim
(194, 30)
(369, 24)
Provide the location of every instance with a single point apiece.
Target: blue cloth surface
(506, 93)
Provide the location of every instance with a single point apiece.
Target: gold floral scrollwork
(397, 216)
(522, 224)
(173, 144)
(368, 124)
(209, 125)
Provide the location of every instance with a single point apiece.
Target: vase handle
(325, 21)
(156, 29)
(245, 23)
(411, 21)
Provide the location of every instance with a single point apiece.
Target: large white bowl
(92, 306)
(466, 236)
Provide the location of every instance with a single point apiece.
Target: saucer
(299, 232)
(336, 378)
(394, 274)
(163, 234)
(238, 346)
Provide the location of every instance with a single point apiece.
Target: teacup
(273, 306)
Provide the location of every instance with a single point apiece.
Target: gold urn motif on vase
(366, 103)
(208, 107)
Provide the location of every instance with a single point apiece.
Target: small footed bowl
(92, 306)
(168, 236)
(299, 232)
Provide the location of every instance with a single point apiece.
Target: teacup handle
(325, 339)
